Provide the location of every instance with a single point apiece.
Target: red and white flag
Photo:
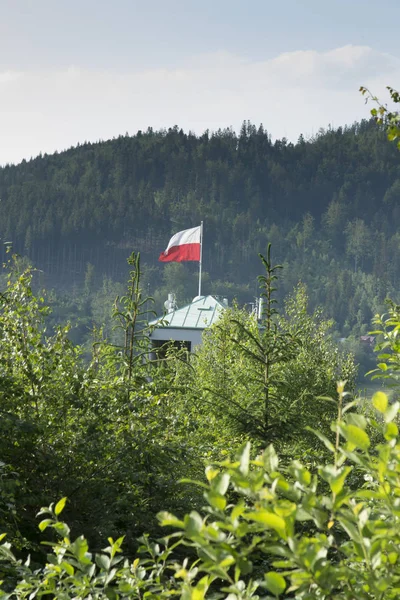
(184, 245)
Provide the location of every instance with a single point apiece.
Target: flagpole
(201, 255)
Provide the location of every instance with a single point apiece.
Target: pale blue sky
(76, 70)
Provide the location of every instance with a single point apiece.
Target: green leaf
(335, 477)
(199, 592)
(216, 500)
(323, 438)
(211, 472)
(357, 420)
(244, 458)
(300, 472)
(380, 401)
(80, 548)
(244, 565)
(45, 523)
(193, 523)
(392, 431)
(167, 519)
(270, 459)
(60, 506)
(350, 405)
(220, 483)
(351, 529)
(67, 568)
(111, 593)
(269, 519)
(275, 583)
(62, 528)
(356, 436)
(238, 510)
(103, 561)
(391, 412)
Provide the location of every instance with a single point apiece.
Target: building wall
(165, 334)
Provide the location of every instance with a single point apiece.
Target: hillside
(329, 205)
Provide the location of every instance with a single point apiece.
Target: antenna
(170, 304)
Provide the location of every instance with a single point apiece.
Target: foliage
(388, 346)
(318, 363)
(131, 313)
(39, 385)
(253, 544)
(100, 432)
(116, 434)
(383, 116)
(263, 377)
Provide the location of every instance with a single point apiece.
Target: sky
(86, 70)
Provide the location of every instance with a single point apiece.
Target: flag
(184, 245)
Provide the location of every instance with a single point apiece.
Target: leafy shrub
(264, 533)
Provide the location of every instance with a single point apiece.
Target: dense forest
(329, 206)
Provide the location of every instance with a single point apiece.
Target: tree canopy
(329, 205)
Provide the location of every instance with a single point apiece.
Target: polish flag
(184, 245)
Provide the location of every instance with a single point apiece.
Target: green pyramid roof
(199, 314)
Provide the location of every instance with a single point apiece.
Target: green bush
(264, 532)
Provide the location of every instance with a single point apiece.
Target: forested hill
(330, 206)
